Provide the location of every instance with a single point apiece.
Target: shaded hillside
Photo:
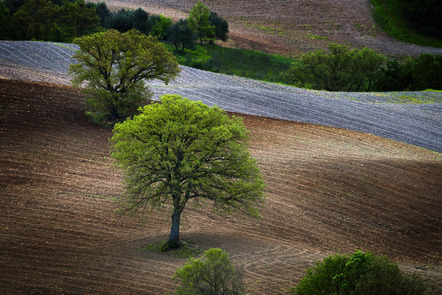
(329, 189)
(390, 115)
(289, 27)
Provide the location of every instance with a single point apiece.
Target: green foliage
(427, 71)
(123, 21)
(182, 150)
(7, 28)
(212, 274)
(418, 73)
(181, 36)
(414, 21)
(76, 19)
(198, 21)
(340, 69)
(37, 19)
(115, 66)
(102, 11)
(360, 273)
(160, 27)
(221, 27)
(240, 62)
(44, 20)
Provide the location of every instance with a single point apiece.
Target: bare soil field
(329, 189)
(289, 27)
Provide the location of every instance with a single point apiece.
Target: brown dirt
(328, 190)
(289, 27)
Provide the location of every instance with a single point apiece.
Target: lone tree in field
(198, 21)
(115, 66)
(181, 150)
(213, 273)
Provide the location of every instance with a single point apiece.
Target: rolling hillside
(289, 27)
(328, 189)
(389, 115)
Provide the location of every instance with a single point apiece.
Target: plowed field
(328, 189)
(288, 27)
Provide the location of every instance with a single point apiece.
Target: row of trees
(62, 21)
(202, 25)
(52, 20)
(342, 69)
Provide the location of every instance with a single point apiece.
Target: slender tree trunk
(175, 229)
(114, 114)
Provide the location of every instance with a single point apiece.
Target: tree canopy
(182, 150)
(115, 66)
(180, 35)
(213, 273)
(339, 69)
(360, 273)
(198, 21)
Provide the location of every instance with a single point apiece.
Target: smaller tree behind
(199, 22)
(213, 274)
(115, 66)
(339, 69)
(221, 26)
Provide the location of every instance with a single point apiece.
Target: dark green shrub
(361, 274)
(338, 69)
(221, 27)
(427, 71)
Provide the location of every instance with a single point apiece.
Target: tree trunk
(175, 229)
(114, 114)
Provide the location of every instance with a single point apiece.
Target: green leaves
(339, 69)
(213, 273)
(181, 149)
(198, 20)
(115, 66)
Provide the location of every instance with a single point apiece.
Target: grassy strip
(388, 14)
(239, 62)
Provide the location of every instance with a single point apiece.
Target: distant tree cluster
(62, 21)
(202, 24)
(54, 20)
(342, 69)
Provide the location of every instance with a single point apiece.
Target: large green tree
(182, 150)
(198, 21)
(115, 66)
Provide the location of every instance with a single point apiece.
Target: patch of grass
(185, 249)
(316, 37)
(239, 62)
(388, 14)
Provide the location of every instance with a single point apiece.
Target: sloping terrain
(289, 27)
(328, 189)
(384, 114)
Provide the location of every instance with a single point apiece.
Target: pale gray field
(410, 117)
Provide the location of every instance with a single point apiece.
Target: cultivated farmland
(389, 115)
(329, 189)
